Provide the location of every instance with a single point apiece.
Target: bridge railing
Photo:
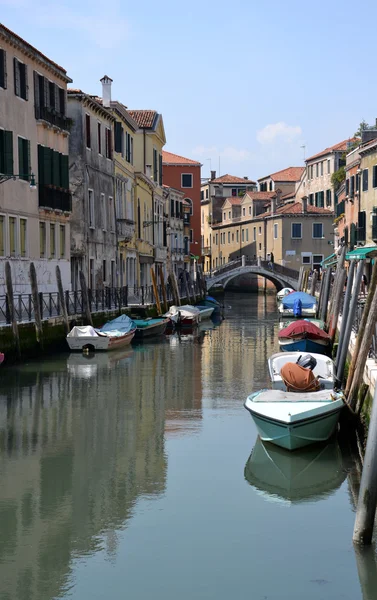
(250, 262)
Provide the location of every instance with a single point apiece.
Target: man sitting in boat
(299, 376)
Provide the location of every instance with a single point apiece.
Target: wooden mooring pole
(366, 505)
(346, 306)
(162, 280)
(325, 294)
(85, 299)
(333, 321)
(9, 284)
(313, 282)
(344, 340)
(155, 291)
(36, 305)
(362, 355)
(62, 299)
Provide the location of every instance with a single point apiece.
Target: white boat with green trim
(292, 420)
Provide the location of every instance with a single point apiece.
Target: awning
(362, 252)
(329, 261)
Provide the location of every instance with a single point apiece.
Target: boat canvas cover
(307, 301)
(143, 323)
(298, 379)
(303, 329)
(283, 396)
(212, 299)
(118, 327)
(84, 331)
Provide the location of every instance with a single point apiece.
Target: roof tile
(231, 179)
(295, 208)
(341, 146)
(289, 174)
(144, 118)
(169, 158)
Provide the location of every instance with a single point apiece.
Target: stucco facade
(93, 223)
(34, 130)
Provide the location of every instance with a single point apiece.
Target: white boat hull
(324, 368)
(292, 423)
(305, 312)
(206, 313)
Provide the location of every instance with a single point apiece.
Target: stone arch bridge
(279, 275)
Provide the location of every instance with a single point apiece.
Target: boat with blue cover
(298, 304)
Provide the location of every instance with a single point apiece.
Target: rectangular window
(321, 168)
(260, 231)
(249, 210)
(111, 215)
(328, 166)
(352, 186)
(365, 180)
(306, 259)
(316, 169)
(108, 143)
(87, 130)
(104, 271)
(374, 176)
(296, 231)
(206, 192)
(318, 230)
(328, 197)
(317, 259)
(229, 215)
(244, 212)
(91, 208)
(186, 180)
(160, 172)
(103, 212)
(21, 88)
(202, 195)
(224, 216)
(62, 241)
(2, 235)
(260, 246)
(192, 236)
(247, 235)
(254, 233)
(234, 192)
(311, 172)
(6, 152)
(52, 240)
(243, 235)
(12, 236)
(276, 226)
(228, 237)
(24, 158)
(3, 69)
(42, 239)
(99, 138)
(237, 236)
(23, 237)
(311, 199)
(347, 187)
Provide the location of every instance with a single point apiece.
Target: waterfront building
(214, 192)
(149, 198)
(175, 230)
(93, 224)
(184, 174)
(297, 234)
(35, 200)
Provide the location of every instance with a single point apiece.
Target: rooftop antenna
(304, 148)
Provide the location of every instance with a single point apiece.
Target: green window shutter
(3, 69)
(16, 69)
(160, 169)
(26, 82)
(36, 96)
(55, 169)
(45, 92)
(56, 90)
(352, 235)
(21, 157)
(41, 167)
(8, 152)
(28, 158)
(118, 136)
(154, 164)
(64, 173)
(48, 166)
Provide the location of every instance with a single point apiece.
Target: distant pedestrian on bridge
(271, 261)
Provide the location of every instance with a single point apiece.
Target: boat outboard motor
(297, 308)
(307, 361)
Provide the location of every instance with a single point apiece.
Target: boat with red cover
(304, 336)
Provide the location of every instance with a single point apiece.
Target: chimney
(213, 174)
(106, 91)
(273, 205)
(304, 201)
(278, 196)
(247, 179)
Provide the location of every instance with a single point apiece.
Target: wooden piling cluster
(161, 297)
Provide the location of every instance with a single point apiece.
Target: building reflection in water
(81, 440)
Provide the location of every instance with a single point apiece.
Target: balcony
(53, 117)
(125, 230)
(206, 251)
(160, 253)
(54, 198)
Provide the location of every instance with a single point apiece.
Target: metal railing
(264, 264)
(101, 300)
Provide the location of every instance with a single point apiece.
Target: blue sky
(246, 81)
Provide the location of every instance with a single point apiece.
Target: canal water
(138, 474)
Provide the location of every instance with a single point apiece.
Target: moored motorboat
(183, 315)
(324, 369)
(148, 328)
(303, 336)
(293, 420)
(298, 304)
(211, 301)
(317, 322)
(113, 335)
(284, 292)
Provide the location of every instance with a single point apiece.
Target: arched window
(191, 205)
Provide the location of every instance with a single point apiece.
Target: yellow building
(149, 199)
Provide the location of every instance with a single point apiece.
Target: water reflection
(81, 439)
(308, 475)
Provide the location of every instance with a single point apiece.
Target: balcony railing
(55, 198)
(52, 116)
(125, 229)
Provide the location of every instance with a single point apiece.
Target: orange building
(184, 174)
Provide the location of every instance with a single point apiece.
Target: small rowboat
(317, 322)
(292, 420)
(113, 335)
(148, 328)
